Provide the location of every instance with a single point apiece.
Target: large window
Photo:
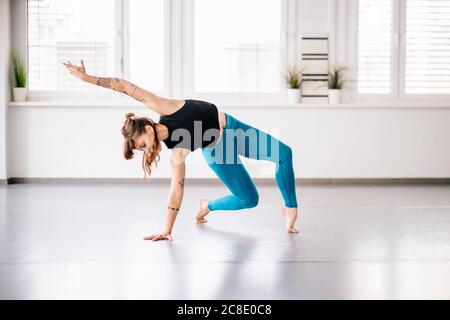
(60, 30)
(146, 46)
(237, 46)
(427, 47)
(176, 48)
(403, 48)
(374, 46)
(93, 30)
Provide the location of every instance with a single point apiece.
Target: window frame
(124, 44)
(398, 54)
(436, 97)
(352, 32)
(121, 58)
(189, 58)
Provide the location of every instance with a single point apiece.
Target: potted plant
(19, 78)
(294, 81)
(336, 82)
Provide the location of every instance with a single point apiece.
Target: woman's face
(146, 142)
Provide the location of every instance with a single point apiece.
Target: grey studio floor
(84, 241)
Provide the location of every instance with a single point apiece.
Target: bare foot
(291, 217)
(202, 211)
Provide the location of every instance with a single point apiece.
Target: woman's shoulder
(172, 106)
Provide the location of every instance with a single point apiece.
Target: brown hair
(132, 129)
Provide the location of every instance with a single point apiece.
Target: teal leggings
(242, 139)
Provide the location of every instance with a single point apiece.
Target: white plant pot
(19, 94)
(334, 96)
(294, 95)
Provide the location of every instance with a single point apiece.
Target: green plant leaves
(294, 77)
(335, 78)
(19, 71)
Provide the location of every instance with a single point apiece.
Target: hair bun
(129, 115)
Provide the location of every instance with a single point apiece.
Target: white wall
(328, 142)
(4, 85)
(50, 141)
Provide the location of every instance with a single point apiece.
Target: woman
(186, 125)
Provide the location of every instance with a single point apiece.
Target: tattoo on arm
(181, 183)
(135, 86)
(120, 85)
(111, 83)
(104, 82)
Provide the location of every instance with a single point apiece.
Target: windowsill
(234, 105)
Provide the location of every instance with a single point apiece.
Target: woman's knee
(251, 200)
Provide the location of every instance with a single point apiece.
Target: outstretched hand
(79, 72)
(159, 236)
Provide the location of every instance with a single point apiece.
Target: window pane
(237, 46)
(427, 47)
(60, 30)
(374, 46)
(146, 23)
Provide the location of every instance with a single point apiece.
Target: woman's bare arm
(128, 88)
(151, 100)
(178, 166)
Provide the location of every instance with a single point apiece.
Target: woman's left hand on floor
(159, 236)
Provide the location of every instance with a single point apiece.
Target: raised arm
(178, 167)
(151, 100)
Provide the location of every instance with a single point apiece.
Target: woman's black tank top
(187, 126)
